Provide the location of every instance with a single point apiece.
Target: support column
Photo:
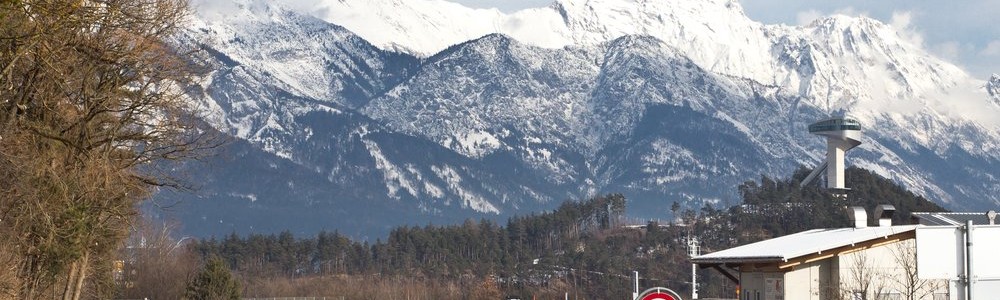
(835, 150)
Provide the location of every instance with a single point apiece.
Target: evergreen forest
(583, 249)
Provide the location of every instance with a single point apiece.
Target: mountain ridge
(493, 126)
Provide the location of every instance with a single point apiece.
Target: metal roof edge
(874, 235)
(905, 229)
(722, 260)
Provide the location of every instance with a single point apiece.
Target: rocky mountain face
(359, 130)
(993, 88)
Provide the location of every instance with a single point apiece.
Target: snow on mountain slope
(639, 71)
(261, 60)
(715, 34)
(419, 27)
(494, 85)
(839, 64)
(993, 88)
(490, 88)
(305, 56)
(863, 67)
(725, 39)
(858, 65)
(270, 65)
(495, 94)
(657, 100)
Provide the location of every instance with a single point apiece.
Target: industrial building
(940, 256)
(921, 261)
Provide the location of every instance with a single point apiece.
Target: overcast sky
(966, 33)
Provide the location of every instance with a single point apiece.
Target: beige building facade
(844, 263)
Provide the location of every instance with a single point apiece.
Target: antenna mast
(693, 250)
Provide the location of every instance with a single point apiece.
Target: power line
(627, 277)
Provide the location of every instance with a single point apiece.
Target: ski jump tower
(841, 134)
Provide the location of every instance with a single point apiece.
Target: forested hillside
(582, 248)
(776, 207)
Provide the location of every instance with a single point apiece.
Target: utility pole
(969, 277)
(693, 250)
(636, 293)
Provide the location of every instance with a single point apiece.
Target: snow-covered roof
(950, 218)
(800, 244)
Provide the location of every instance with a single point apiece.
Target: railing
(824, 127)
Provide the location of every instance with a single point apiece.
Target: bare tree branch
(92, 111)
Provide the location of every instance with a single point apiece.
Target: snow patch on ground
(671, 163)
(395, 178)
(251, 197)
(911, 180)
(469, 198)
(474, 143)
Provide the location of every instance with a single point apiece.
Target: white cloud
(807, 17)
(967, 101)
(903, 23)
(992, 49)
(220, 9)
(971, 23)
(303, 5)
(986, 60)
(214, 9)
(901, 19)
(504, 5)
(950, 51)
(849, 11)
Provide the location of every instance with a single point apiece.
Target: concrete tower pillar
(835, 150)
(841, 134)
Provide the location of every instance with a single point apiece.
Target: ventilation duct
(858, 216)
(884, 214)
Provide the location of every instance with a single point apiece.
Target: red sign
(658, 293)
(658, 296)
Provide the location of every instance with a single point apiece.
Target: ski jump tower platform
(841, 134)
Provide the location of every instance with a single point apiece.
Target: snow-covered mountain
(442, 111)
(715, 34)
(993, 88)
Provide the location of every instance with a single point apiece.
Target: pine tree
(213, 282)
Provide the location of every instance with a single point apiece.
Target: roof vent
(884, 214)
(992, 215)
(858, 216)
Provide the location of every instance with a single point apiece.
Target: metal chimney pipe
(884, 214)
(858, 216)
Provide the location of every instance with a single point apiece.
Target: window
(889, 296)
(835, 124)
(857, 295)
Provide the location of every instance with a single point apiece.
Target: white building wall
(941, 252)
(754, 286)
(810, 281)
(881, 270)
(986, 262)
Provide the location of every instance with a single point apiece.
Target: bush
(213, 282)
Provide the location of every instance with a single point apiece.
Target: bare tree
(90, 102)
(865, 281)
(155, 263)
(907, 282)
(9, 281)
